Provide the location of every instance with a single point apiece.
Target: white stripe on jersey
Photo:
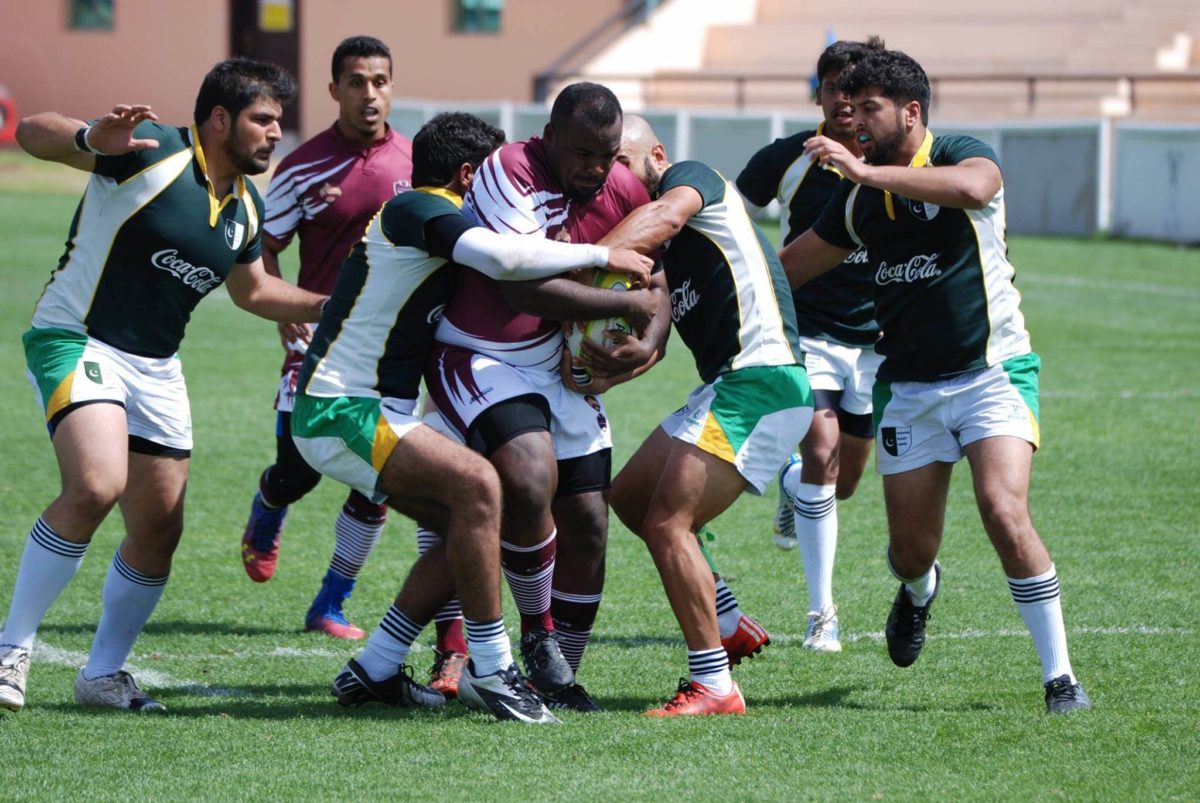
(350, 366)
(1007, 336)
(539, 353)
(284, 210)
(793, 177)
(761, 335)
(105, 208)
(496, 202)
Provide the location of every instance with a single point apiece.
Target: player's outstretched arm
(646, 228)
(53, 137)
(513, 258)
(254, 290)
(808, 256)
(634, 354)
(564, 299)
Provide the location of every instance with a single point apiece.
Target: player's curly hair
(446, 142)
(235, 83)
(361, 47)
(841, 54)
(898, 75)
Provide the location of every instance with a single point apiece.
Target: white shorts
(834, 366)
(350, 438)
(68, 369)
(750, 417)
(918, 423)
(465, 383)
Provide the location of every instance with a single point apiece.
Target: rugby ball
(595, 331)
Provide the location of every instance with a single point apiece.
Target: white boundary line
(155, 679)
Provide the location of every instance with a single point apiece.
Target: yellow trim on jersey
(61, 397)
(714, 440)
(384, 444)
(442, 192)
(921, 159)
(214, 206)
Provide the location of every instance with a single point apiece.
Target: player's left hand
(112, 134)
(597, 386)
(630, 353)
(826, 151)
(631, 263)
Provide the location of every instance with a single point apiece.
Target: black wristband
(81, 143)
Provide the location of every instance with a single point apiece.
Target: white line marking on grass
(1135, 630)
(151, 677)
(1167, 290)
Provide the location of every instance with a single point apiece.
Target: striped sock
(728, 612)
(817, 532)
(448, 619)
(356, 532)
(530, 570)
(388, 646)
(574, 615)
(47, 565)
(129, 598)
(710, 668)
(489, 646)
(1040, 604)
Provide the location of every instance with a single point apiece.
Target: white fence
(1071, 178)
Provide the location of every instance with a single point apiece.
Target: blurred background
(1092, 105)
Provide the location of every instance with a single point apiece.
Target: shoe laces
(686, 692)
(1061, 688)
(820, 622)
(443, 660)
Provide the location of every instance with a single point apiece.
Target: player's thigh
(1000, 471)
(694, 488)
(91, 445)
(427, 476)
(153, 506)
(634, 484)
(916, 505)
(819, 448)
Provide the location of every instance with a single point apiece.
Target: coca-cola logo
(922, 266)
(198, 278)
(683, 299)
(859, 257)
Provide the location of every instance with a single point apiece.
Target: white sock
(1040, 603)
(789, 477)
(353, 542)
(920, 589)
(710, 668)
(47, 564)
(129, 599)
(817, 532)
(489, 646)
(388, 646)
(728, 611)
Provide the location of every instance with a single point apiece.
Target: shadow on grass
(838, 697)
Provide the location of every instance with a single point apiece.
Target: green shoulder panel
(170, 141)
(404, 217)
(697, 175)
(951, 150)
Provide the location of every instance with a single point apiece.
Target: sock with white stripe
(129, 598)
(574, 615)
(1040, 603)
(488, 644)
(710, 668)
(729, 614)
(388, 646)
(356, 532)
(530, 570)
(448, 619)
(817, 532)
(47, 565)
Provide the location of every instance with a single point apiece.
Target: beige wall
(159, 50)
(157, 53)
(433, 62)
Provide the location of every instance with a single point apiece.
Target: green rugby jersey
(838, 305)
(730, 299)
(378, 326)
(944, 292)
(149, 240)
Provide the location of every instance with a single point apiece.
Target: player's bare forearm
(808, 256)
(646, 228)
(51, 136)
(254, 290)
(270, 256)
(971, 184)
(563, 299)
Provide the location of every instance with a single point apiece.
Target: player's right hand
(112, 134)
(632, 264)
(292, 333)
(643, 304)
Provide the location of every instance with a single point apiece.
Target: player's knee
(1005, 519)
(479, 490)
(588, 524)
(847, 483)
(94, 497)
(529, 489)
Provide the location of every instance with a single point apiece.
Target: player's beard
(653, 177)
(883, 151)
(242, 157)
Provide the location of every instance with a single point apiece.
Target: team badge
(92, 371)
(234, 233)
(896, 440)
(923, 210)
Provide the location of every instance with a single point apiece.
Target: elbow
(25, 134)
(979, 194)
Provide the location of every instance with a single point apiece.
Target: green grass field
(1114, 495)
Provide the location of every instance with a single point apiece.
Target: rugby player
(959, 377)
(355, 413)
(325, 192)
(730, 306)
(495, 378)
(167, 217)
(835, 316)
